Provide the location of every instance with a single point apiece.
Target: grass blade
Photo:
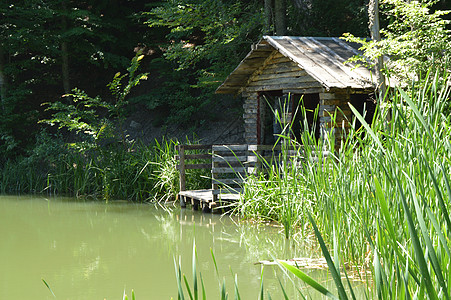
(430, 249)
(285, 296)
(335, 273)
(47, 285)
(367, 127)
(417, 246)
(237, 293)
(204, 296)
(194, 272)
(214, 262)
(307, 279)
(188, 288)
(223, 291)
(439, 193)
(178, 276)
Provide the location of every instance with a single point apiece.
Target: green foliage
(99, 36)
(120, 93)
(193, 292)
(416, 40)
(329, 18)
(82, 116)
(378, 199)
(204, 41)
(207, 34)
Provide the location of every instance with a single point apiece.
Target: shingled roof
(322, 58)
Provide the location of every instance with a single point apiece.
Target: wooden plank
(252, 111)
(196, 147)
(252, 105)
(258, 70)
(278, 55)
(290, 74)
(254, 159)
(241, 158)
(260, 147)
(249, 116)
(197, 156)
(299, 54)
(303, 91)
(277, 59)
(324, 62)
(197, 166)
(282, 68)
(262, 47)
(233, 165)
(201, 195)
(194, 156)
(237, 180)
(217, 148)
(227, 191)
(227, 170)
(300, 85)
(182, 176)
(274, 79)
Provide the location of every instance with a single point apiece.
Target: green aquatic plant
(125, 297)
(193, 292)
(393, 188)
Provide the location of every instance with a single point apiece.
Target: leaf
(335, 273)
(46, 284)
(430, 249)
(367, 127)
(419, 254)
(307, 279)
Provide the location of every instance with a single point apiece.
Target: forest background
(187, 47)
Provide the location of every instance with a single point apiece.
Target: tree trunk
(2, 79)
(268, 16)
(280, 14)
(65, 52)
(65, 67)
(373, 15)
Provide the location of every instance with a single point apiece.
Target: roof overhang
(323, 58)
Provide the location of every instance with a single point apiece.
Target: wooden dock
(204, 200)
(229, 165)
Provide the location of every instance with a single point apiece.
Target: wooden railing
(204, 153)
(229, 164)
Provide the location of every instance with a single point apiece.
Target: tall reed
(383, 196)
(137, 172)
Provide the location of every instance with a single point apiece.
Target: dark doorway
(307, 103)
(365, 104)
(267, 127)
(287, 107)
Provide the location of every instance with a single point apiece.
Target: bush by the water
(136, 172)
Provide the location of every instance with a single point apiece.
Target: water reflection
(92, 250)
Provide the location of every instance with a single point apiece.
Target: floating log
(302, 262)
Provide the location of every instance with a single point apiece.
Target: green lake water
(94, 250)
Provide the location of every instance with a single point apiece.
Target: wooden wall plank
(285, 80)
(275, 87)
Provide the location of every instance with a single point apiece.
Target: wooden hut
(308, 68)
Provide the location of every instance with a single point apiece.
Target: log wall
(279, 73)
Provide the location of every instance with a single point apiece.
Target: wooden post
(182, 168)
(268, 16)
(2, 80)
(280, 17)
(373, 14)
(182, 177)
(214, 184)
